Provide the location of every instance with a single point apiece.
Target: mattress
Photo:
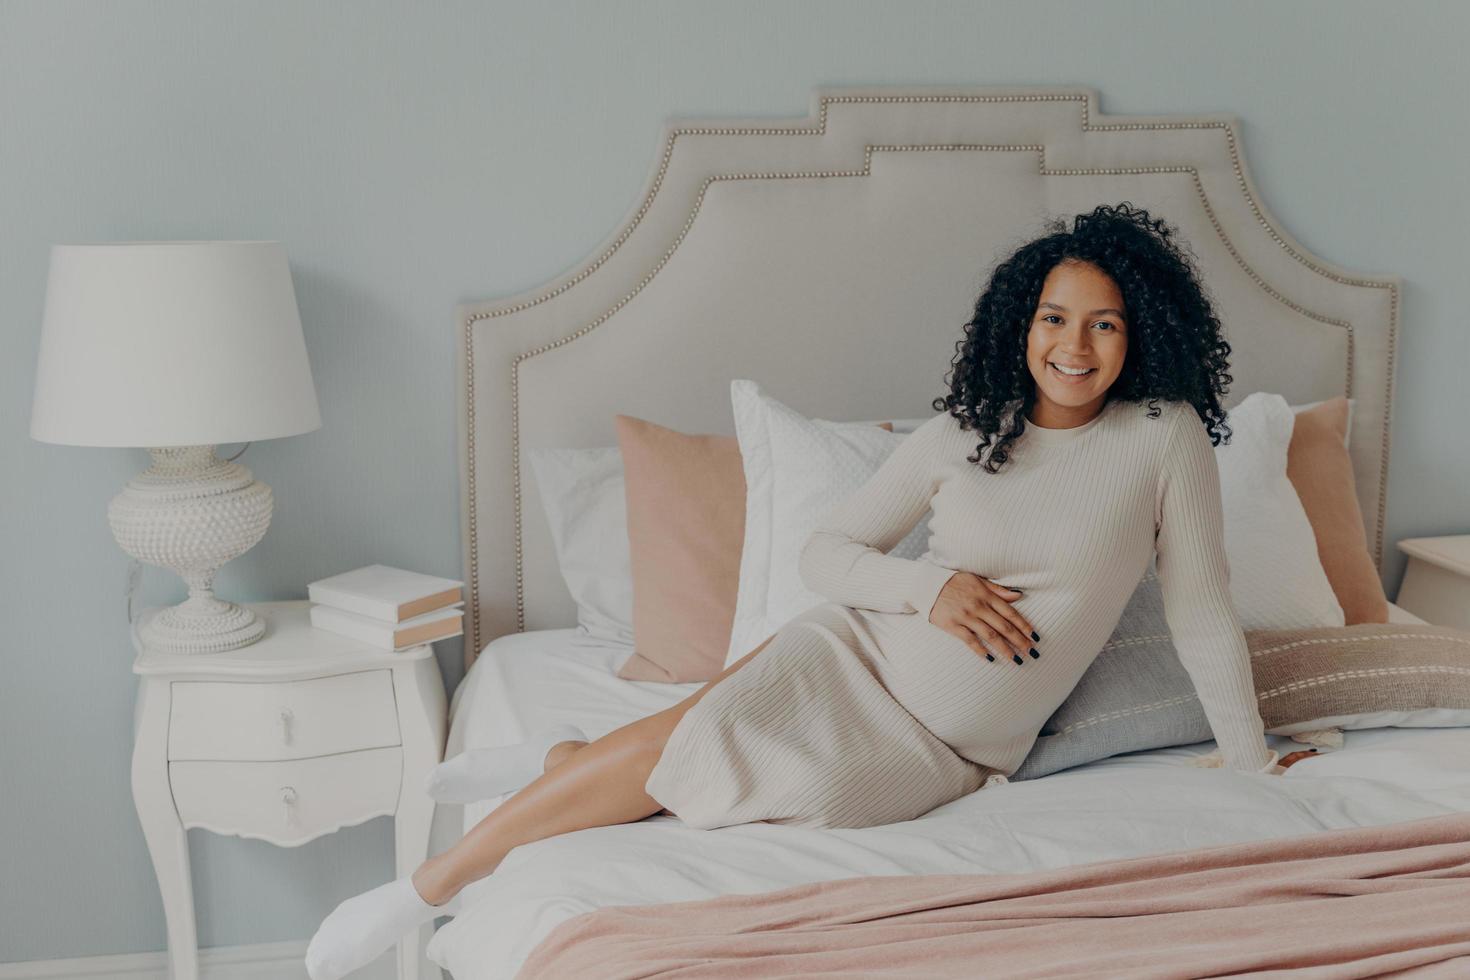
(1139, 803)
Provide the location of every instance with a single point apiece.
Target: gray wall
(412, 156)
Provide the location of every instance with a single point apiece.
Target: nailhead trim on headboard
(472, 638)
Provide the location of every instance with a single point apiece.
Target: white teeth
(1072, 371)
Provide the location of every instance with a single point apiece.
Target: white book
(389, 595)
(431, 626)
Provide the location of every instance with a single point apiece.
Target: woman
(924, 680)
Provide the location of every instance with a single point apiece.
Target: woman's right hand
(979, 613)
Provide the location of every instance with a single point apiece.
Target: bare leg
(561, 752)
(590, 784)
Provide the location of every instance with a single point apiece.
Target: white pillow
(796, 470)
(584, 496)
(1276, 578)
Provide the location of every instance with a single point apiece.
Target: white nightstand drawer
(287, 803)
(254, 721)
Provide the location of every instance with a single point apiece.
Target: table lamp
(177, 347)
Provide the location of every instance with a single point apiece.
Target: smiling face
(1079, 322)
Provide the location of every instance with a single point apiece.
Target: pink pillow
(1318, 465)
(686, 528)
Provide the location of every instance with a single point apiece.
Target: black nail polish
(989, 655)
(1034, 654)
(1034, 636)
(1017, 658)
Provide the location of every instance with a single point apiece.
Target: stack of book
(388, 607)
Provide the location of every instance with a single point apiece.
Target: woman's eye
(1104, 323)
(1051, 316)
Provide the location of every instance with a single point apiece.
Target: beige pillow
(686, 528)
(1318, 465)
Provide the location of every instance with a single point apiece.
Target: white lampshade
(157, 344)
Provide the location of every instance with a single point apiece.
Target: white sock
(478, 774)
(357, 931)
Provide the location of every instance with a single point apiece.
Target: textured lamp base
(191, 512)
(202, 625)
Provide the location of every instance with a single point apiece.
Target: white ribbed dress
(862, 712)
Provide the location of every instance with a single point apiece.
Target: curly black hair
(1175, 348)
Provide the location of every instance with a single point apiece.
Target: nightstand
(1436, 582)
(295, 736)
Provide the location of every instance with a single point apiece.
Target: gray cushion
(1136, 695)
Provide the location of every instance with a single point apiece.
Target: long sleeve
(1194, 579)
(845, 558)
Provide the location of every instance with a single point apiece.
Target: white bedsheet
(1141, 803)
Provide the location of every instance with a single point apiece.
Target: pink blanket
(1391, 900)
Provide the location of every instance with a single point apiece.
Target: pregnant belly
(967, 701)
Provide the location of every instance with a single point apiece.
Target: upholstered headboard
(836, 258)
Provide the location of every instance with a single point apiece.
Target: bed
(1139, 803)
(856, 239)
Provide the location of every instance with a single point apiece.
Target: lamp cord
(239, 454)
(135, 569)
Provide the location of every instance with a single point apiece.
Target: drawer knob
(287, 719)
(288, 797)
